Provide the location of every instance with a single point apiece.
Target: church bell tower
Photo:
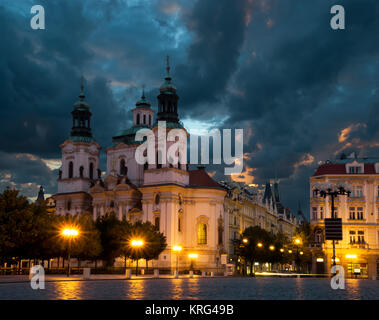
(80, 162)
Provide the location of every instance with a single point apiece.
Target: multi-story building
(358, 252)
(254, 206)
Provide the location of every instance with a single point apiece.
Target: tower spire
(82, 96)
(168, 66)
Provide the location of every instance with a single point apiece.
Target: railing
(358, 244)
(112, 270)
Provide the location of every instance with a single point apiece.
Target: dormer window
(355, 170)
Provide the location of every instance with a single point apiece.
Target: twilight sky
(302, 92)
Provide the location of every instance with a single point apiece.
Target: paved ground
(217, 288)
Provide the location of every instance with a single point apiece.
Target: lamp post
(297, 244)
(177, 249)
(136, 245)
(332, 190)
(69, 234)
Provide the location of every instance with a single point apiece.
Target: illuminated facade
(358, 252)
(187, 206)
(253, 206)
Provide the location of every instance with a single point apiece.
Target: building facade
(358, 252)
(190, 208)
(247, 206)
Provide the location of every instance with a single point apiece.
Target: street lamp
(281, 250)
(245, 240)
(272, 248)
(297, 242)
(136, 245)
(177, 249)
(69, 233)
(259, 245)
(332, 190)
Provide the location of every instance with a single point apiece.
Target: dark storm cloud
(310, 85)
(218, 29)
(302, 92)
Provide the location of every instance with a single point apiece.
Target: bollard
(86, 273)
(176, 274)
(128, 273)
(156, 273)
(191, 274)
(225, 273)
(212, 274)
(373, 277)
(203, 274)
(142, 271)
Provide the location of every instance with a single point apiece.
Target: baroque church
(187, 206)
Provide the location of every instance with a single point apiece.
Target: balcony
(358, 244)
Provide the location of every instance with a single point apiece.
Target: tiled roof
(338, 168)
(200, 178)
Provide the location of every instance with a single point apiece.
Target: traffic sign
(333, 229)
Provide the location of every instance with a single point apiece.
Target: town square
(204, 150)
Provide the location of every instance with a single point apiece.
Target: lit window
(202, 233)
(352, 236)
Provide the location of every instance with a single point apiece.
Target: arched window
(68, 205)
(91, 170)
(81, 171)
(202, 233)
(138, 118)
(122, 167)
(144, 119)
(157, 199)
(150, 125)
(70, 169)
(157, 222)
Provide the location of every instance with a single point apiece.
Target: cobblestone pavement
(196, 288)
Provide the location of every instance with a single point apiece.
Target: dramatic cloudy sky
(302, 92)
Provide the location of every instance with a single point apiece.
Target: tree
(248, 249)
(17, 226)
(88, 245)
(112, 237)
(154, 242)
(304, 233)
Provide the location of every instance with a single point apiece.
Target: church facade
(186, 206)
(191, 209)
